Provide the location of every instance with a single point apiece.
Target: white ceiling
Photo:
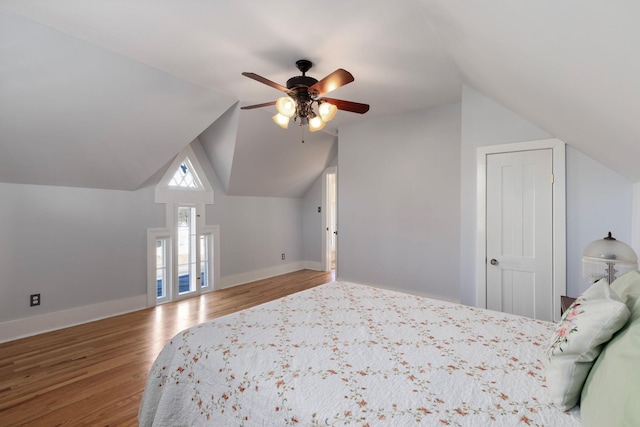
(104, 93)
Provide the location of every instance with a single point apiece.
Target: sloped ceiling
(103, 94)
(571, 67)
(72, 114)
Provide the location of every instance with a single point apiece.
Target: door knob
(494, 261)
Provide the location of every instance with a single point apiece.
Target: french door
(183, 261)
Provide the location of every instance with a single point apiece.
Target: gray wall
(254, 231)
(74, 246)
(399, 202)
(598, 199)
(78, 246)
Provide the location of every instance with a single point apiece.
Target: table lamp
(609, 258)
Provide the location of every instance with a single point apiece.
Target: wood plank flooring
(94, 374)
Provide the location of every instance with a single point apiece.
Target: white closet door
(520, 233)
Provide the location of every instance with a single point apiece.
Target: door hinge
(552, 178)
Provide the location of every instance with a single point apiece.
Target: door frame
(326, 257)
(559, 273)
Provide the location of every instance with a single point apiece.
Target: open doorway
(330, 219)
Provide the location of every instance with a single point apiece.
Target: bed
(348, 354)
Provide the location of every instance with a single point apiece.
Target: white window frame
(167, 194)
(173, 197)
(214, 276)
(153, 234)
(175, 279)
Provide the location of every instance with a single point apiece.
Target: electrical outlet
(283, 257)
(34, 300)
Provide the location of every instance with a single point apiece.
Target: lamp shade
(316, 124)
(327, 111)
(606, 257)
(286, 106)
(280, 120)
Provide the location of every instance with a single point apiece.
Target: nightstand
(565, 302)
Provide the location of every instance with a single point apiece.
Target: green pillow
(627, 287)
(611, 393)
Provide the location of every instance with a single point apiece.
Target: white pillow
(585, 327)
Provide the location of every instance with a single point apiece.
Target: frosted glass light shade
(286, 106)
(608, 257)
(610, 250)
(316, 124)
(280, 120)
(327, 111)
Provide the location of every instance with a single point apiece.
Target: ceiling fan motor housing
(301, 84)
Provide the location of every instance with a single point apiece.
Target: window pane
(186, 249)
(206, 268)
(184, 177)
(161, 268)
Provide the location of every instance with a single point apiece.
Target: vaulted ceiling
(104, 94)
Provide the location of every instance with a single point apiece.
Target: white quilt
(347, 354)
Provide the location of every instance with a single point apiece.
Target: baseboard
(21, 328)
(265, 273)
(313, 265)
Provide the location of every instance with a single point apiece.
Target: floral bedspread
(347, 354)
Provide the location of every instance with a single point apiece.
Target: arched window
(183, 258)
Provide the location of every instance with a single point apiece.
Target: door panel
(518, 288)
(520, 233)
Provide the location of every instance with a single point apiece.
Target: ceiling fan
(303, 91)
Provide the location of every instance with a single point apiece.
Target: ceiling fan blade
(354, 107)
(268, 82)
(251, 107)
(333, 81)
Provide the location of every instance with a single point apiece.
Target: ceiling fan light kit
(280, 120)
(327, 111)
(316, 123)
(303, 92)
(286, 106)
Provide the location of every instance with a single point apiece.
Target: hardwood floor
(94, 374)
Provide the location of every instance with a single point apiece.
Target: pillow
(585, 326)
(627, 287)
(611, 392)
